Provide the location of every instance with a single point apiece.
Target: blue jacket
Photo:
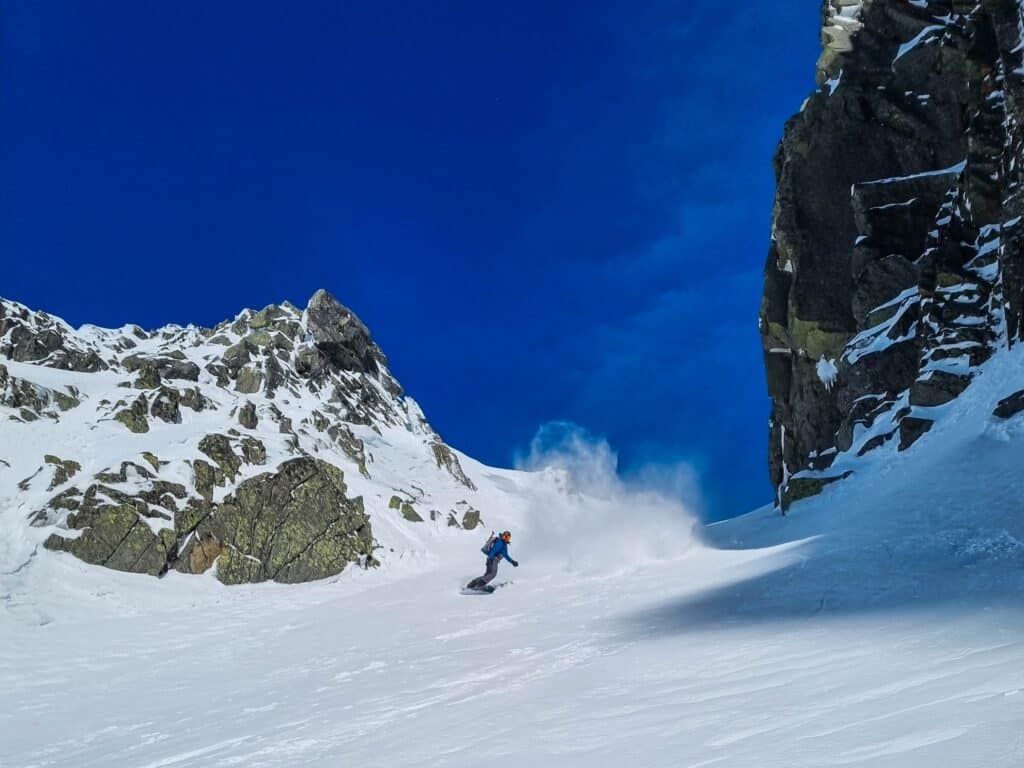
(499, 549)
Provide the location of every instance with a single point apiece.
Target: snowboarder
(497, 550)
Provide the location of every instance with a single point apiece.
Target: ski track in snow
(880, 624)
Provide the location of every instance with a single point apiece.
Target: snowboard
(487, 589)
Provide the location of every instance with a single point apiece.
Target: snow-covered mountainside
(878, 625)
(896, 265)
(274, 446)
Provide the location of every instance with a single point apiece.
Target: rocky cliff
(896, 265)
(261, 449)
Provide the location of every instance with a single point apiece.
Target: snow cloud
(592, 518)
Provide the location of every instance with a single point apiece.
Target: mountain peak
(233, 447)
(323, 298)
(341, 336)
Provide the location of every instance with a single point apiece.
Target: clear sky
(543, 210)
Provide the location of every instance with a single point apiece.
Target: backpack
(486, 548)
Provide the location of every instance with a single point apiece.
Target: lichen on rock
(64, 470)
(247, 416)
(296, 524)
(113, 534)
(194, 504)
(218, 448)
(134, 417)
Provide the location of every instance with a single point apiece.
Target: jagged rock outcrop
(896, 264)
(294, 525)
(36, 337)
(238, 443)
(1010, 406)
(31, 401)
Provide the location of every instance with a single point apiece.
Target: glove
(515, 563)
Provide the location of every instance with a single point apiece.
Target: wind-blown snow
(827, 372)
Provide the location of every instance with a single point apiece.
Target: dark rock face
(805, 487)
(896, 259)
(937, 388)
(911, 428)
(1010, 406)
(341, 336)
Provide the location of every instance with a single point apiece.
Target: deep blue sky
(543, 210)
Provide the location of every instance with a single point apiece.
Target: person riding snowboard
(497, 550)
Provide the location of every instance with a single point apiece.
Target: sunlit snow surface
(880, 624)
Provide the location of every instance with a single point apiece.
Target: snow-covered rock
(879, 624)
(896, 244)
(263, 448)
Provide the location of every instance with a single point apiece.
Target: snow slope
(879, 624)
(303, 404)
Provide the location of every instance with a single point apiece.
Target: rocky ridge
(896, 265)
(261, 449)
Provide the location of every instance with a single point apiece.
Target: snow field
(879, 624)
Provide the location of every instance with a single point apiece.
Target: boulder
(112, 533)
(165, 406)
(148, 378)
(247, 416)
(294, 525)
(172, 365)
(218, 448)
(937, 388)
(64, 470)
(471, 519)
(1010, 406)
(912, 428)
(134, 417)
(38, 400)
(35, 337)
(253, 451)
(249, 380)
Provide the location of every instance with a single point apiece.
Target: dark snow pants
(492, 571)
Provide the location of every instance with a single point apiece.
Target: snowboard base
(487, 589)
(481, 591)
